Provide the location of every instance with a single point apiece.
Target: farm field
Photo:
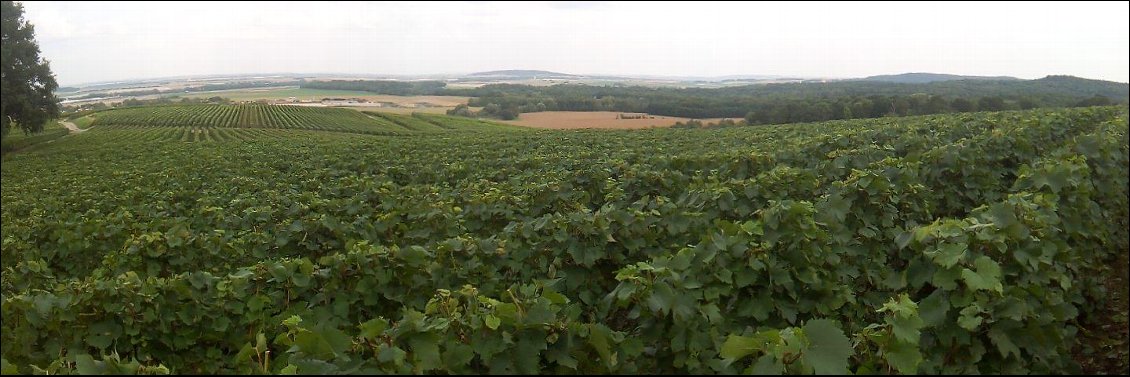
(595, 119)
(320, 240)
(200, 119)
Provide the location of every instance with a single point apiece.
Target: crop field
(207, 121)
(311, 240)
(595, 119)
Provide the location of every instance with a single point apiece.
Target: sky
(108, 41)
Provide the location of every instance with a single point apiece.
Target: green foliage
(27, 98)
(20, 141)
(800, 102)
(202, 121)
(967, 243)
(818, 347)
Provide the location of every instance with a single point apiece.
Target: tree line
(800, 102)
(765, 103)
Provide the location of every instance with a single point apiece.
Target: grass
(17, 139)
(84, 122)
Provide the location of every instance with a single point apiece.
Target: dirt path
(71, 126)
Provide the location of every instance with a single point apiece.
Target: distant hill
(923, 77)
(1081, 87)
(520, 74)
(1051, 90)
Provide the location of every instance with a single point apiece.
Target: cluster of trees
(875, 106)
(695, 123)
(802, 102)
(765, 103)
(492, 110)
(397, 88)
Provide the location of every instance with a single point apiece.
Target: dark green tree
(1026, 103)
(963, 105)
(1097, 100)
(991, 104)
(461, 110)
(27, 96)
(936, 105)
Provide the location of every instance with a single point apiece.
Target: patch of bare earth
(72, 127)
(1103, 344)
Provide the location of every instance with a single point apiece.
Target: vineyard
(204, 122)
(962, 243)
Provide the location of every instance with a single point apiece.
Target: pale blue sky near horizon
(108, 41)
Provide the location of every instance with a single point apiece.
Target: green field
(84, 122)
(308, 240)
(209, 119)
(17, 139)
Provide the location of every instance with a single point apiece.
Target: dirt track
(72, 127)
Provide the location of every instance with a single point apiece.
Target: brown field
(596, 119)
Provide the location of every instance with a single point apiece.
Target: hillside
(942, 244)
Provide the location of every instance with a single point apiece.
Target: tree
(751, 118)
(27, 97)
(963, 105)
(1026, 103)
(508, 113)
(1097, 100)
(461, 110)
(990, 104)
(936, 105)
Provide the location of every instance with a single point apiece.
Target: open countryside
(529, 221)
(316, 95)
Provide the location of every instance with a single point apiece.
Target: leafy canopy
(27, 100)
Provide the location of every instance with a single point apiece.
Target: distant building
(343, 101)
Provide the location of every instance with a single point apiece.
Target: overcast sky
(106, 41)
